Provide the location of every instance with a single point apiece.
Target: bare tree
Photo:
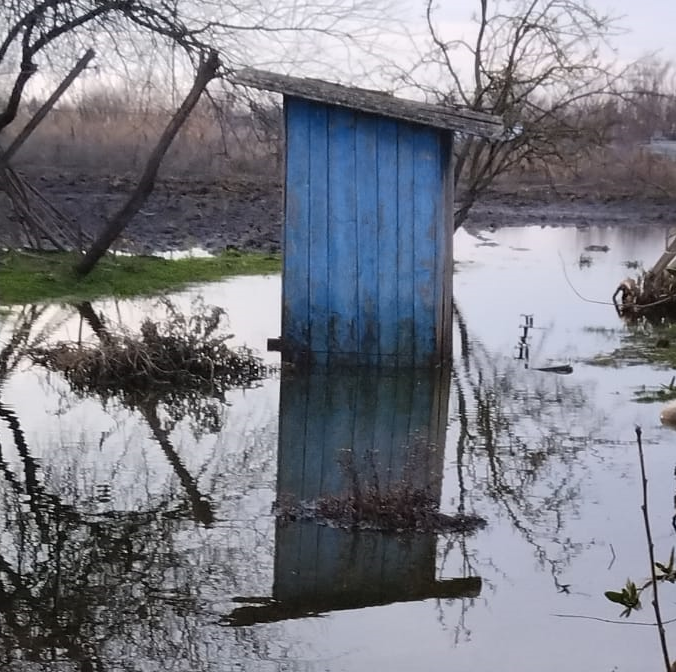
(36, 34)
(168, 39)
(649, 108)
(537, 63)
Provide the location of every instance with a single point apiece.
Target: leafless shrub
(171, 360)
(610, 172)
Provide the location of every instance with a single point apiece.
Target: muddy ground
(246, 213)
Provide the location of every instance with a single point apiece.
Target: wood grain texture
(365, 265)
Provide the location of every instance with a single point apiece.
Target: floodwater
(143, 539)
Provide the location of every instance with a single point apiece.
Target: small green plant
(628, 597)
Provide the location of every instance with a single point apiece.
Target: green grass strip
(29, 277)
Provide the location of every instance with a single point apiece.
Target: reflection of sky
(512, 624)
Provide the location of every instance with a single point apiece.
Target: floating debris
(560, 368)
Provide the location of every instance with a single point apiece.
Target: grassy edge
(49, 276)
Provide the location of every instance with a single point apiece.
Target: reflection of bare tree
(512, 446)
(76, 586)
(102, 591)
(148, 405)
(201, 507)
(24, 328)
(88, 590)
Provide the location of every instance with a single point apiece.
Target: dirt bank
(246, 212)
(242, 213)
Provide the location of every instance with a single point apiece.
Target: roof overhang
(374, 102)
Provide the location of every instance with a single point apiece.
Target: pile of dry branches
(36, 223)
(174, 357)
(650, 295)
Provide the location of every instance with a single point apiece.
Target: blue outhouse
(367, 240)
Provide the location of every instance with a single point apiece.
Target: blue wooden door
(367, 258)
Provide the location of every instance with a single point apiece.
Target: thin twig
(570, 284)
(609, 620)
(651, 553)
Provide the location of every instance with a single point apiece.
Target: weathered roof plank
(375, 102)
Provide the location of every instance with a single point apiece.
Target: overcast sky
(650, 24)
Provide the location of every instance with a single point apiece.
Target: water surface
(137, 540)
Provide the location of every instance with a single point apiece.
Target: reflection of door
(342, 432)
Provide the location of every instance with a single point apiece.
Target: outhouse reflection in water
(356, 438)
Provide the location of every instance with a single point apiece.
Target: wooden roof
(374, 102)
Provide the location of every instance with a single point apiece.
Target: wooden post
(664, 260)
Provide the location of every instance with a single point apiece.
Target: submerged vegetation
(644, 343)
(648, 395)
(402, 508)
(49, 276)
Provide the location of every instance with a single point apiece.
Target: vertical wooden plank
(367, 237)
(441, 388)
(387, 243)
(315, 435)
(402, 401)
(445, 233)
(293, 414)
(288, 557)
(295, 294)
(342, 232)
(366, 455)
(297, 561)
(339, 418)
(405, 229)
(428, 195)
(318, 230)
(419, 452)
(383, 424)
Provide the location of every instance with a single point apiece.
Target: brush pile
(174, 358)
(29, 220)
(399, 509)
(651, 296)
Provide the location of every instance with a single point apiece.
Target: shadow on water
(74, 583)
